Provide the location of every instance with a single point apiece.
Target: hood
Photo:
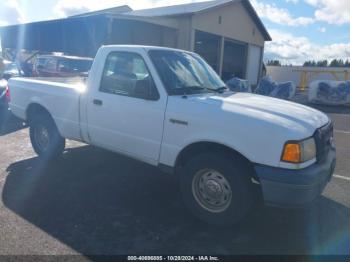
(289, 115)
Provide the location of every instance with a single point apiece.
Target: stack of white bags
(329, 92)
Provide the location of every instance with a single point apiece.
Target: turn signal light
(292, 153)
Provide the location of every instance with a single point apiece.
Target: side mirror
(144, 89)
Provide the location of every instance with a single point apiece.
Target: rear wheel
(45, 138)
(217, 188)
(2, 115)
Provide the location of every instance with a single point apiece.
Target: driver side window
(126, 74)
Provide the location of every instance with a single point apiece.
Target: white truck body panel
(127, 125)
(61, 99)
(255, 126)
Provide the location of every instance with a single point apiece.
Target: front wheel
(45, 138)
(217, 188)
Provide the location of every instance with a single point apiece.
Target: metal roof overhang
(79, 36)
(161, 21)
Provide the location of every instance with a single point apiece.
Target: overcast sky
(301, 29)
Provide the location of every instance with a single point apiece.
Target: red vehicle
(61, 66)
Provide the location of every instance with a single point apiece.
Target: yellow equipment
(307, 74)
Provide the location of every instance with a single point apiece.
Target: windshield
(185, 73)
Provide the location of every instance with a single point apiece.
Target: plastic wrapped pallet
(239, 85)
(329, 92)
(286, 90)
(267, 87)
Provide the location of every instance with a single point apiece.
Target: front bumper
(295, 188)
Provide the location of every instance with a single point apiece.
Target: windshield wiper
(200, 88)
(190, 89)
(218, 90)
(195, 87)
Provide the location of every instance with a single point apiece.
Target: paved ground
(95, 202)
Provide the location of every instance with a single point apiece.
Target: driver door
(118, 118)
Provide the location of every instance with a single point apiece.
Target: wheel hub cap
(42, 137)
(211, 190)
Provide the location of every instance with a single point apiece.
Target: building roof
(256, 19)
(114, 10)
(173, 11)
(192, 8)
(184, 9)
(180, 9)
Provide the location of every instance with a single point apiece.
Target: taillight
(7, 94)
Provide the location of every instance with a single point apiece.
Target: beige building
(227, 33)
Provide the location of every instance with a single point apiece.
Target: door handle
(97, 102)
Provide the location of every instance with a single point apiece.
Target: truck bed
(59, 96)
(62, 80)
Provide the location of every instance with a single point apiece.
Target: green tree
(347, 63)
(274, 63)
(307, 63)
(334, 63)
(323, 63)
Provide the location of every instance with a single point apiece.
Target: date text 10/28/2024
(173, 258)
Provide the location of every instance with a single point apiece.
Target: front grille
(323, 138)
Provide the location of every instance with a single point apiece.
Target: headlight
(299, 152)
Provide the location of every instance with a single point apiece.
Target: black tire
(235, 172)
(56, 143)
(4, 116)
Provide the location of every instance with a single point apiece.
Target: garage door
(254, 56)
(208, 46)
(234, 61)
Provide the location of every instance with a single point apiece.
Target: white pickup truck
(168, 108)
